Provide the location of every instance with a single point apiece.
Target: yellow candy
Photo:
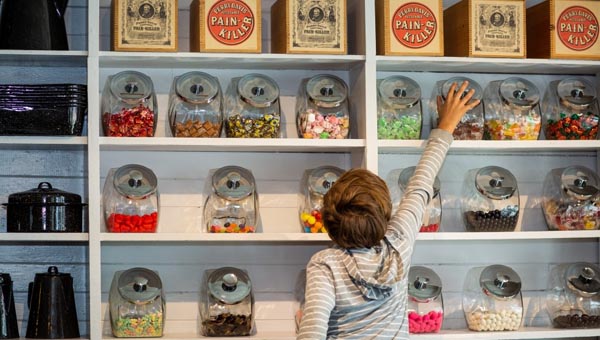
(589, 225)
(311, 220)
(304, 217)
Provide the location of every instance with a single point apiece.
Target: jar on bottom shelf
(425, 302)
(149, 325)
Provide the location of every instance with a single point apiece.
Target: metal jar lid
(399, 92)
(579, 182)
(423, 284)
(407, 173)
(258, 90)
(233, 182)
(322, 178)
(135, 181)
(576, 92)
(139, 285)
(131, 86)
(583, 278)
(500, 281)
(42, 195)
(197, 87)
(326, 90)
(229, 285)
(519, 92)
(459, 80)
(495, 182)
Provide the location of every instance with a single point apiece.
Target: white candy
(311, 117)
(505, 320)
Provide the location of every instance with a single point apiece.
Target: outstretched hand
(455, 106)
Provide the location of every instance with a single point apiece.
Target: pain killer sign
(414, 25)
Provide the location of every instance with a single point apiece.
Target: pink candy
(427, 323)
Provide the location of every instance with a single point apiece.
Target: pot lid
(326, 90)
(135, 181)
(233, 182)
(579, 182)
(5, 279)
(197, 87)
(44, 194)
(399, 92)
(583, 277)
(519, 92)
(576, 92)
(52, 272)
(131, 86)
(258, 90)
(423, 283)
(322, 178)
(407, 173)
(495, 182)
(459, 80)
(500, 281)
(229, 285)
(139, 285)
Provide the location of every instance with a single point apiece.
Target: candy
(576, 321)
(504, 320)
(312, 222)
(494, 220)
(227, 324)
(426, 323)
(135, 122)
(405, 127)
(198, 128)
(149, 325)
(121, 223)
(468, 130)
(267, 126)
(521, 127)
(430, 228)
(232, 228)
(560, 216)
(574, 126)
(312, 124)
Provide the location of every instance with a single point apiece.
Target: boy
(357, 289)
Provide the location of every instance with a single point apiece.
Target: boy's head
(356, 209)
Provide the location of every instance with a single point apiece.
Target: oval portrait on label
(230, 22)
(414, 25)
(577, 28)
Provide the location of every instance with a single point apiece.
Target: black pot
(44, 210)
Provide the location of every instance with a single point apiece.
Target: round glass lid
(197, 87)
(576, 92)
(131, 86)
(583, 277)
(579, 182)
(423, 283)
(229, 285)
(326, 90)
(322, 178)
(233, 182)
(135, 181)
(495, 182)
(519, 92)
(399, 92)
(258, 90)
(459, 80)
(139, 285)
(500, 281)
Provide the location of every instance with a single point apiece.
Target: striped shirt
(361, 293)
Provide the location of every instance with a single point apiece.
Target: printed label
(499, 27)
(414, 25)
(146, 23)
(317, 24)
(577, 28)
(230, 22)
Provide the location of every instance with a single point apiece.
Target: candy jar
(131, 200)
(571, 200)
(492, 299)
(195, 106)
(399, 113)
(226, 303)
(570, 110)
(252, 107)
(315, 184)
(129, 105)
(573, 295)
(425, 303)
(490, 200)
(232, 201)
(511, 110)
(137, 304)
(470, 126)
(322, 108)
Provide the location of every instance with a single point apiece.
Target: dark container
(9, 329)
(44, 209)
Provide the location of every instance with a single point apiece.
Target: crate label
(577, 28)
(146, 23)
(498, 28)
(317, 23)
(414, 25)
(230, 22)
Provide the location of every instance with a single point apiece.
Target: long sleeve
(319, 302)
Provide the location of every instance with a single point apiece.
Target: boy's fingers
(451, 92)
(439, 102)
(472, 104)
(467, 97)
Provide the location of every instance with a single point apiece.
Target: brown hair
(356, 209)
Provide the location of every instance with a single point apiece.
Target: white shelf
(44, 237)
(43, 58)
(523, 333)
(210, 237)
(265, 336)
(402, 146)
(514, 235)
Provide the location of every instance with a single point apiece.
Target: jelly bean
(198, 128)
(431, 228)
(312, 222)
(267, 126)
(521, 127)
(121, 223)
(232, 228)
(135, 122)
(313, 124)
(404, 127)
(572, 126)
(149, 325)
(426, 323)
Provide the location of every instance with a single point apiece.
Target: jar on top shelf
(313, 187)
(129, 106)
(399, 112)
(425, 302)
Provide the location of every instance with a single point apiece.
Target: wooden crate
(407, 27)
(309, 27)
(485, 28)
(565, 29)
(225, 26)
(144, 25)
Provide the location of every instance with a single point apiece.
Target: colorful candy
(571, 127)
(197, 128)
(267, 126)
(121, 223)
(405, 127)
(149, 325)
(135, 122)
(312, 124)
(430, 228)
(426, 323)
(230, 227)
(571, 216)
(312, 222)
(469, 130)
(524, 127)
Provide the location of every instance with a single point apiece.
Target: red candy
(134, 122)
(431, 228)
(428, 323)
(121, 223)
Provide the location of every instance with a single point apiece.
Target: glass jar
(425, 303)
(129, 105)
(195, 106)
(570, 110)
(490, 200)
(314, 185)
(137, 304)
(252, 107)
(131, 200)
(399, 114)
(226, 303)
(573, 295)
(571, 199)
(511, 110)
(232, 201)
(492, 299)
(322, 108)
(470, 126)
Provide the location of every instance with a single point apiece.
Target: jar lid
(322, 178)
(233, 182)
(131, 86)
(500, 281)
(229, 285)
(53, 272)
(576, 91)
(583, 277)
(407, 173)
(258, 90)
(399, 92)
(139, 285)
(44, 194)
(326, 90)
(423, 283)
(135, 181)
(459, 80)
(495, 182)
(579, 182)
(519, 92)
(197, 87)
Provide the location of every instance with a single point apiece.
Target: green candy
(405, 127)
